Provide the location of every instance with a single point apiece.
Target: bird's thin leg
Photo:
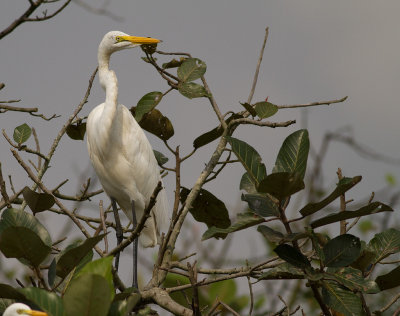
(118, 230)
(135, 248)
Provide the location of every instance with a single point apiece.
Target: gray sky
(317, 50)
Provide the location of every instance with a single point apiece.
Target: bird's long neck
(108, 81)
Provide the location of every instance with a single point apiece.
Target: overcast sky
(317, 50)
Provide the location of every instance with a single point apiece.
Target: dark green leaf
(243, 221)
(161, 159)
(389, 280)
(214, 134)
(51, 273)
(316, 244)
(37, 202)
(247, 184)
(249, 108)
(292, 256)
(71, 258)
(270, 234)
(173, 63)
(7, 291)
(342, 251)
(4, 302)
(341, 300)
(366, 258)
(147, 103)
(89, 295)
(343, 186)
(249, 158)
(293, 154)
(123, 307)
(261, 205)
(373, 208)
(102, 267)
(76, 131)
(265, 109)
(21, 242)
(156, 123)
(22, 133)
(208, 209)
(192, 90)
(283, 271)
(385, 244)
(47, 301)
(191, 69)
(18, 218)
(281, 184)
(353, 280)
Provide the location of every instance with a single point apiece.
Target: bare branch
(260, 123)
(253, 87)
(292, 106)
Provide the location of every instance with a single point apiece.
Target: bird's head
(19, 309)
(115, 40)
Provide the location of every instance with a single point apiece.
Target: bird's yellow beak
(35, 313)
(139, 40)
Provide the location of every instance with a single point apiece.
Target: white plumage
(18, 309)
(118, 148)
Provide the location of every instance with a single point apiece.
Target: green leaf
(51, 274)
(191, 69)
(224, 290)
(293, 154)
(292, 256)
(247, 184)
(281, 272)
(373, 208)
(4, 303)
(147, 103)
(22, 133)
(156, 123)
(192, 90)
(270, 234)
(243, 221)
(249, 158)
(208, 209)
(7, 291)
(341, 300)
(365, 260)
(71, 257)
(88, 294)
(102, 267)
(214, 134)
(123, 307)
(353, 280)
(342, 251)
(249, 108)
(261, 205)
(37, 202)
(384, 244)
(173, 63)
(17, 218)
(343, 186)
(265, 109)
(161, 159)
(76, 131)
(47, 301)
(389, 280)
(21, 242)
(281, 184)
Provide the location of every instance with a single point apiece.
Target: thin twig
(253, 86)
(292, 106)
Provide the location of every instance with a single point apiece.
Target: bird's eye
(118, 39)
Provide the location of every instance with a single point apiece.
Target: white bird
(18, 309)
(120, 151)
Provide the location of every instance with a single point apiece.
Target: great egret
(18, 309)
(120, 151)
